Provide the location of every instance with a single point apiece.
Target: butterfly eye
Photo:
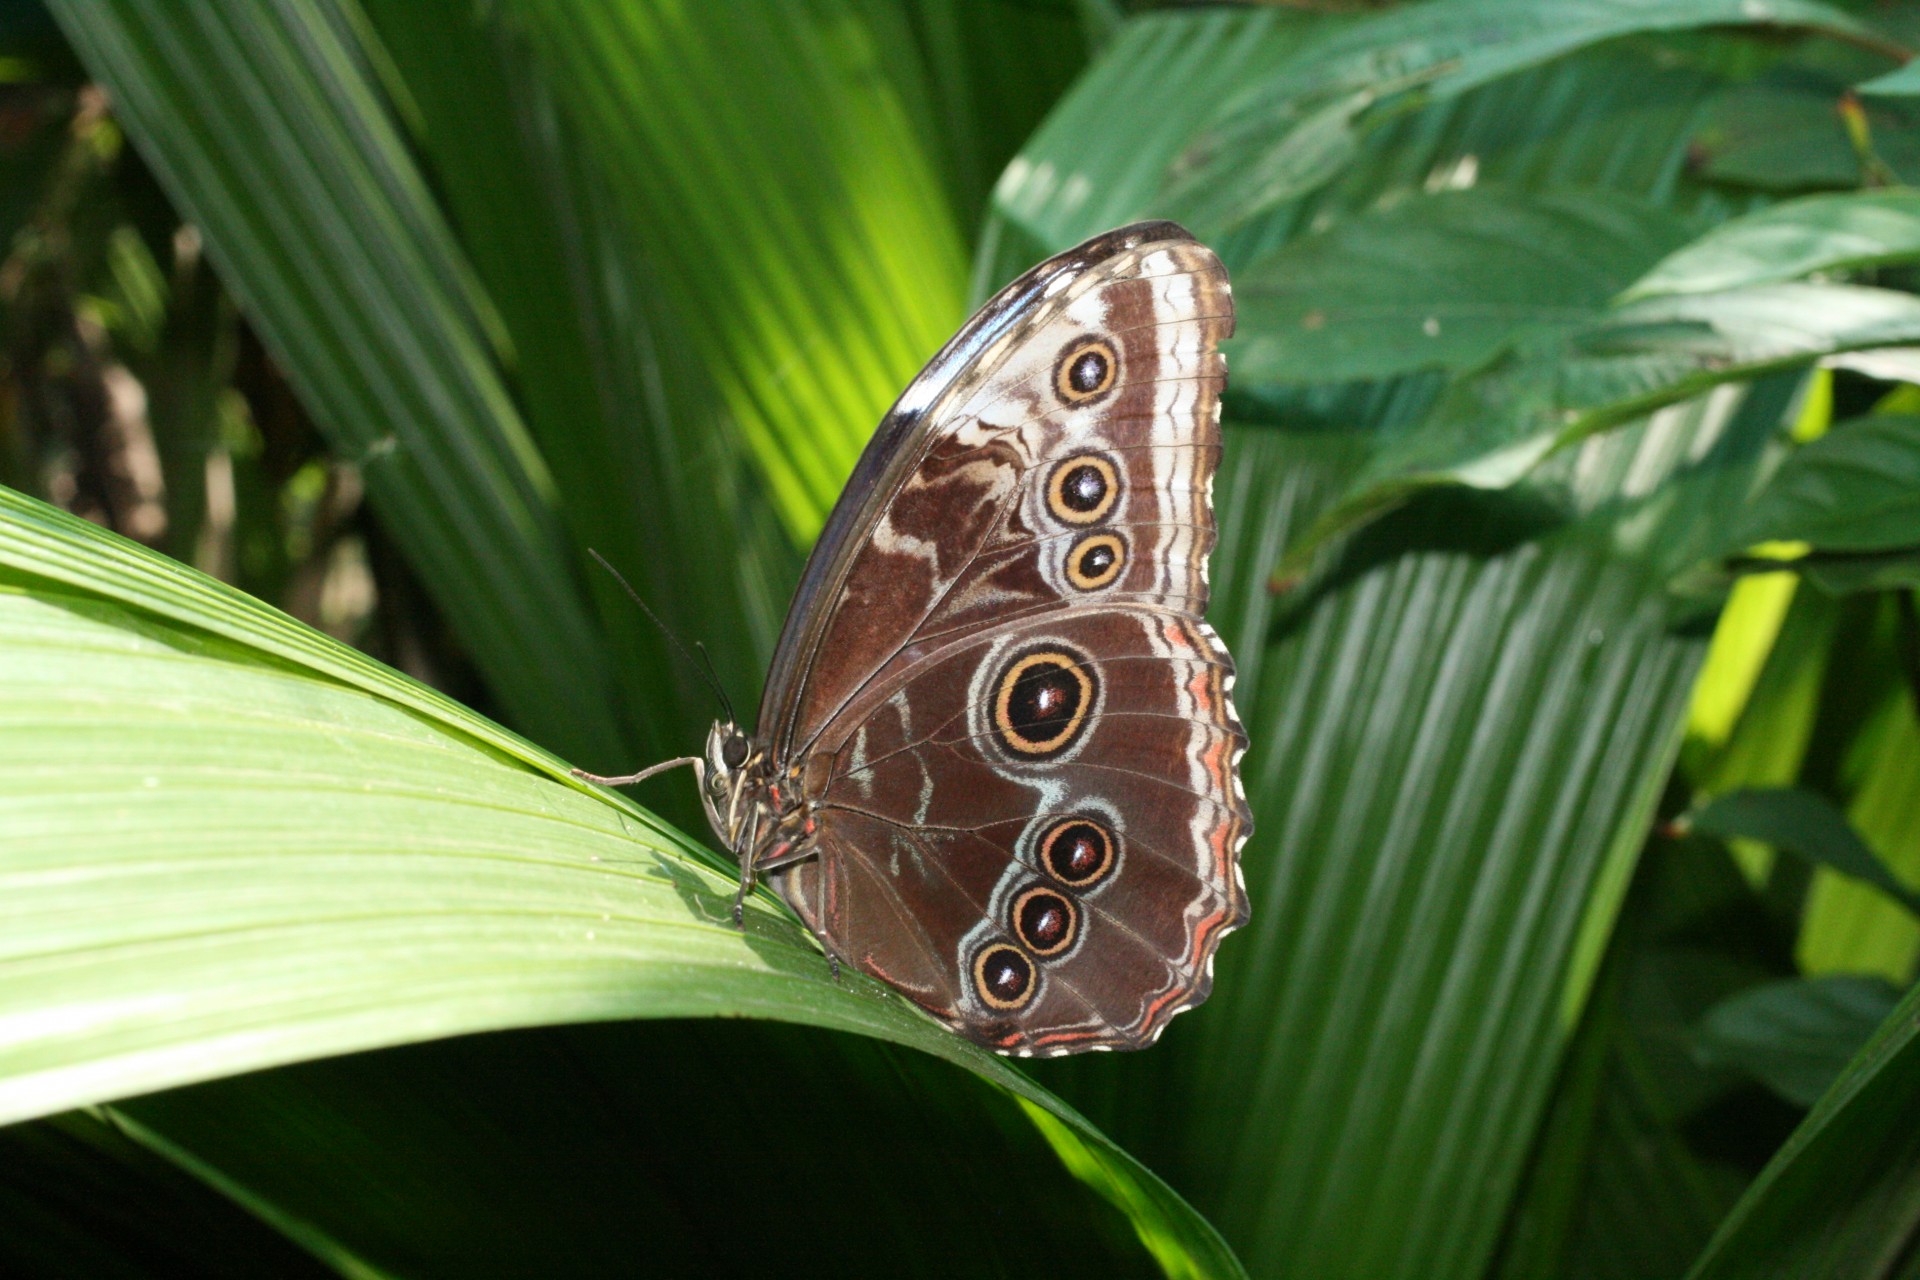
(1095, 562)
(733, 752)
(1045, 921)
(1082, 489)
(1003, 977)
(1086, 370)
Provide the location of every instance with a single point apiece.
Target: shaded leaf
(1440, 281)
(1797, 1035)
(1842, 1196)
(79, 1197)
(1804, 823)
(1842, 575)
(1855, 489)
(618, 1148)
(1790, 240)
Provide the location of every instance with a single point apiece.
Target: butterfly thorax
(757, 810)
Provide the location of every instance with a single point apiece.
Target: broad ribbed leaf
(1788, 241)
(1441, 281)
(232, 844)
(789, 213)
(1855, 489)
(1296, 130)
(1630, 1177)
(1842, 1197)
(1458, 732)
(264, 121)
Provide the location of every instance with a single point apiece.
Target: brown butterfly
(997, 758)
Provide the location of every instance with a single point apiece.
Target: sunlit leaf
(1791, 240)
(236, 845)
(1441, 281)
(1295, 131)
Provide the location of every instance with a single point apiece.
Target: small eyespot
(1096, 561)
(1003, 977)
(1042, 700)
(1082, 489)
(1078, 852)
(1045, 921)
(1086, 370)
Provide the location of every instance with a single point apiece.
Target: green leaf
(1791, 240)
(1440, 281)
(1843, 575)
(785, 204)
(604, 1149)
(234, 844)
(1796, 1036)
(1840, 1198)
(1855, 489)
(265, 124)
(1803, 823)
(1619, 1184)
(1849, 926)
(1788, 130)
(80, 1197)
(1903, 82)
(1294, 132)
(1447, 819)
(1492, 430)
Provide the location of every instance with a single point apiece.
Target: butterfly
(997, 761)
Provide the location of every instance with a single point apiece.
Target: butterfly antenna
(713, 678)
(703, 664)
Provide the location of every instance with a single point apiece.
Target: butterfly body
(997, 758)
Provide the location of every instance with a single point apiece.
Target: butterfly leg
(749, 871)
(786, 856)
(627, 779)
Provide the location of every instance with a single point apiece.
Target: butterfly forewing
(996, 694)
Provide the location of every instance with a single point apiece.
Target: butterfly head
(731, 761)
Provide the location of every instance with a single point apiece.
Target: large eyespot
(1045, 921)
(1087, 369)
(1078, 852)
(1096, 561)
(1042, 701)
(1003, 977)
(1082, 489)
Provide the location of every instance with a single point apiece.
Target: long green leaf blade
(292, 168)
(223, 857)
